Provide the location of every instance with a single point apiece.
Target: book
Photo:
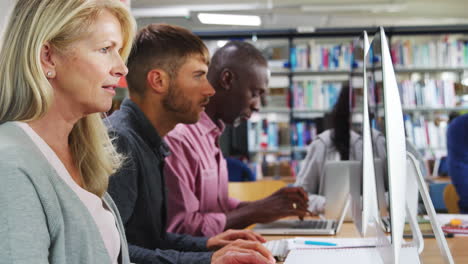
(456, 226)
(321, 57)
(315, 94)
(444, 52)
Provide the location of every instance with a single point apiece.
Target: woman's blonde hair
(25, 93)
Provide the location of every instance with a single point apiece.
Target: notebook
(361, 255)
(281, 247)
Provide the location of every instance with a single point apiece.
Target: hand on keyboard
(278, 248)
(242, 251)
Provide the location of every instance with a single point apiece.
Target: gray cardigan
(41, 219)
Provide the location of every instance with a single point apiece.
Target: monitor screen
(388, 137)
(376, 118)
(357, 85)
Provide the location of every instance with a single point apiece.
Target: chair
(252, 191)
(451, 199)
(238, 171)
(436, 192)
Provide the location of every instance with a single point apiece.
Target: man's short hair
(236, 55)
(161, 46)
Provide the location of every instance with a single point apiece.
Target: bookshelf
(430, 83)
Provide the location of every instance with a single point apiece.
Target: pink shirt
(197, 179)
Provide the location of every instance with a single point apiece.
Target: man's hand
(243, 252)
(229, 236)
(287, 201)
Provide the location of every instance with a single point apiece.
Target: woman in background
(339, 142)
(59, 64)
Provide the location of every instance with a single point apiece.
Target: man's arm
(123, 188)
(149, 256)
(184, 242)
(185, 216)
(123, 185)
(288, 201)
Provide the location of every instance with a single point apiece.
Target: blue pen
(315, 243)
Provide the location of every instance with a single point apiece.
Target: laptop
(335, 186)
(305, 227)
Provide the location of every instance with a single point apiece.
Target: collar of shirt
(207, 126)
(144, 128)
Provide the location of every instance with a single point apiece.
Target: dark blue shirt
(139, 192)
(457, 158)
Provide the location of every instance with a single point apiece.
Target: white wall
(5, 8)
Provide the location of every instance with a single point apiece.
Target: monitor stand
(439, 235)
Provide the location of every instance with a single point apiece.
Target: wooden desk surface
(431, 254)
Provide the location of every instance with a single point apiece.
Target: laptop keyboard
(311, 224)
(278, 248)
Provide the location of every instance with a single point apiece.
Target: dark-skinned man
(197, 173)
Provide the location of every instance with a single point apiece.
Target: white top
(103, 217)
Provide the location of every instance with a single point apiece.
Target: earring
(49, 74)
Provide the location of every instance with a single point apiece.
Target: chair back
(451, 199)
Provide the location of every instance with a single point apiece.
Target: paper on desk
(443, 219)
(346, 255)
(340, 242)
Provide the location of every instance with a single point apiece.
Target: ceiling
(306, 14)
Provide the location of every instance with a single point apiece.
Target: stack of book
(268, 135)
(321, 57)
(303, 133)
(315, 94)
(427, 93)
(435, 53)
(426, 134)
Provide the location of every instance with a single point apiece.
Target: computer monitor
(387, 118)
(357, 184)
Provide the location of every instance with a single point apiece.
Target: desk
(431, 254)
(286, 179)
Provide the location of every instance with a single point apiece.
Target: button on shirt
(197, 179)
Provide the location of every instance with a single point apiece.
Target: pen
(314, 243)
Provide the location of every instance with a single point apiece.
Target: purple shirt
(197, 179)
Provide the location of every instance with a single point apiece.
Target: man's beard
(179, 104)
(175, 101)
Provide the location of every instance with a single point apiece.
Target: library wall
(307, 75)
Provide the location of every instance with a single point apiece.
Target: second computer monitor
(386, 117)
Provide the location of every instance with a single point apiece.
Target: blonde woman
(59, 64)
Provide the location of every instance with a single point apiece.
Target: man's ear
(48, 61)
(157, 81)
(227, 77)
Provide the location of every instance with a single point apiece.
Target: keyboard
(278, 248)
(311, 224)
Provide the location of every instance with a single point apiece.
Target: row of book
(435, 53)
(431, 93)
(267, 135)
(427, 134)
(405, 54)
(315, 94)
(427, 93)
(321, 57)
